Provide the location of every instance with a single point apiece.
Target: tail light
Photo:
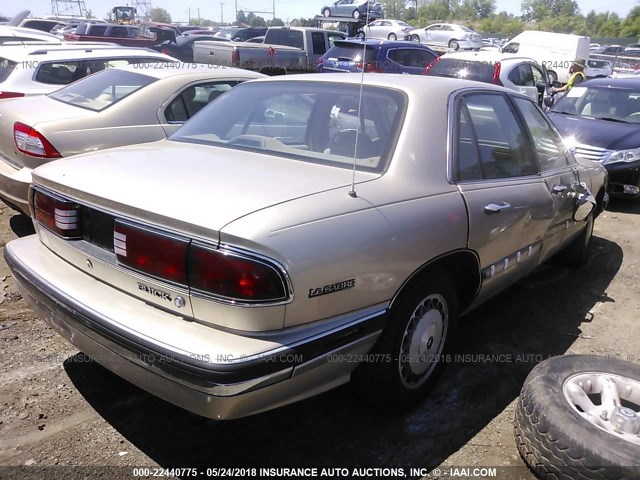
(433, 62)
(370, 67)
(235, 57)
(165, 52)
(496, 73)
(5, 95)
(57, 214)
(151, 252)
(234, 276)
(30, 141)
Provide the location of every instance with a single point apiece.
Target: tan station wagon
(300, 232)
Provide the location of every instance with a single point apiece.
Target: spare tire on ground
(578, 418)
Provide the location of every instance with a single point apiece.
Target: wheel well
(600, 202)
(462, 266)
(273, 71)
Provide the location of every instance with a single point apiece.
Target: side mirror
(549, 101)
(585, 202)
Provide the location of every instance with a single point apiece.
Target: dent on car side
(352, 265)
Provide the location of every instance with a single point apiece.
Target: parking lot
(58, 408)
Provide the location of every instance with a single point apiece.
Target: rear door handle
(559, 188)
(495, 208)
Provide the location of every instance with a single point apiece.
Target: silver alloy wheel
(423, 340)
(607, 401)
(415, 38)
(326, 12)
(392, 36)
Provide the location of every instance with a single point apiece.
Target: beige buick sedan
(118, 106)
(300, 232)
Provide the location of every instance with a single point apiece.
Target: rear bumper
(212, 388)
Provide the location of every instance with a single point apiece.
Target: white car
(522, 74)
(386, 29)
(447, 34)
(598, 69)
(40, 69)
(19, 34)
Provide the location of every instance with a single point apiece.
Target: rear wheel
(415, 38)
(409, 353)
(392, 36)
(453, 44)
(326, 12)
(576, 253)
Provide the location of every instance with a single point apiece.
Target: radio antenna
(352, 192)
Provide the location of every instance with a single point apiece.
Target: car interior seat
(344, 144)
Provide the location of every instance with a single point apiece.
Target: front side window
(546, 141)
(490, 132)
(306, 121)
(100, 91)
(608, 103)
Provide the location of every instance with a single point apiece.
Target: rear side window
(469, 70)
(502, 148)
(98, 30)
(101, 91)
(291, 38)
(121, 32)
(6, 67)
(193, 99)
(319, 48)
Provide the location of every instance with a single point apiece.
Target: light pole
(221, 15)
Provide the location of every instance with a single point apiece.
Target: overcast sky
(285, 9)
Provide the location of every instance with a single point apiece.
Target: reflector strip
(120, 243)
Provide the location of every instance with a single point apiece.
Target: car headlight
(632, 155)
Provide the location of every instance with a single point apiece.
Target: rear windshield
(291, 38)
(351, 52)
(6, 67)
(102, 90)
(66, 71)
(307, 121)
(481, 71)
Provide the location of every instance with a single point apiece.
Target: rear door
(409, 60)
(509, 204)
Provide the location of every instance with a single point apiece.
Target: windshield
(615, 104)
(102, 90)
(313, 122)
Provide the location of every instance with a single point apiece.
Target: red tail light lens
(30, 141)
(319, 64)
(234, 277)
(151, 252)
(426, 70)
(496, 73)
(58, 215)
(235, 57)
(5, 95)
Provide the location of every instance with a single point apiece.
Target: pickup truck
(285, 49)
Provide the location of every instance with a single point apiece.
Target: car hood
(190, 187)
(597, 133)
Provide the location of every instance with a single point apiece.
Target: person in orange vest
(578, 76)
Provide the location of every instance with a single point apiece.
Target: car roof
(626, 82)
(167, 71)
(72, 52)
(415, 85)
(487, 56)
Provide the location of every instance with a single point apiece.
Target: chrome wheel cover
(607, 401)
(423, 340)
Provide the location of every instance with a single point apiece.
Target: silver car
(114, 107)
(354, 8)
(447, 34)
(295, 235)
(386, 29)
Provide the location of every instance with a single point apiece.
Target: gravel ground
(60, 409)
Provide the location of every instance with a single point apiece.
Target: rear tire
(392, 36)
(454, 45)
(415, 38)
(408, 356)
